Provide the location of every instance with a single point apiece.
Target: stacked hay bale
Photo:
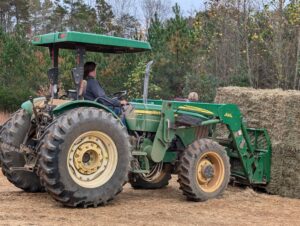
(279, 112)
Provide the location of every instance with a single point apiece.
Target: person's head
(90, 69)
(193, 96)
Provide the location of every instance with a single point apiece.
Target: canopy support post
(78, 72)
(53, 72)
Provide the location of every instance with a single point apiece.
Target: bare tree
(161, 8)
(297, 68)
(246, 11)
(278, 41)
(124, 7)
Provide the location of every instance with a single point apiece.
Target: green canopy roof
(91, 42)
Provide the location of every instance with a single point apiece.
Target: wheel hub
(88, 156)
(205, 169)
(210, 172)
(92, 159)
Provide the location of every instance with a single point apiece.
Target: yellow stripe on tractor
(147, 112)
(196, 109)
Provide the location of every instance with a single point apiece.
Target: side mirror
(146, 81)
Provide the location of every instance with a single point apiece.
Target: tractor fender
(81, 103)
(66, 106)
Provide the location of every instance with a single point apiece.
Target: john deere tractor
(82, 153)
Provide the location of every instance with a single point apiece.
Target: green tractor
(82, 153)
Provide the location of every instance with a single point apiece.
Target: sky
(186, 5)
(189, 5)
(134, 7)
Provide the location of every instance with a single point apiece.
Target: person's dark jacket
(94, 90)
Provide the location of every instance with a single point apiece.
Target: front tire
(204, 170)
(85, 158)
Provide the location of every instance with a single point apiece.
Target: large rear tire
(85, 158)
(204, 170)
(3, 126)
(158, 180)
(13, 134)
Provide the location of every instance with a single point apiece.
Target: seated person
(193, 96)
(94, 89)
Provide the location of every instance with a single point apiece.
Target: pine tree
(58, 17)
(82, 17)
(105, 17)
(35, 10)
(5, 16)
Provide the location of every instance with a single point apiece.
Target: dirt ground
(147, 207)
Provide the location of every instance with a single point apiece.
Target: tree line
(234, 42)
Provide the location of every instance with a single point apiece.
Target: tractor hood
(27, 105)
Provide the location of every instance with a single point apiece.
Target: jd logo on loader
(228, 115)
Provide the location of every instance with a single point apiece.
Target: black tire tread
(3, 127)
(49, 161)
(187, 160)
(13, 134)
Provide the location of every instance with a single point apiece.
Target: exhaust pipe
(146, 81)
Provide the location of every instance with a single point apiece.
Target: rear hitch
(28, 153)
(27, 168)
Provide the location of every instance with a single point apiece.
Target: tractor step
(139, 153)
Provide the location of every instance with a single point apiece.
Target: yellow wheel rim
(92, 159)
(210, 171)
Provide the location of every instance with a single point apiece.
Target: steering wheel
(119, 95)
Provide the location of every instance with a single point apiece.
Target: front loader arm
(255, 161)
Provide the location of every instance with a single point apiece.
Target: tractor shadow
(171, 192)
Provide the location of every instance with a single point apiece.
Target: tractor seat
(82, 88)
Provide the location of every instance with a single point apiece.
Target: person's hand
(123, 102)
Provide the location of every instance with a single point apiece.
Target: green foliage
(172, 53)
(22, 70)
(237, 80)
(113, 70)
(82, 17)
(105, 16)
(67, 63)
(293, 12)
(204, 85)
(135, 83)
(12, 96)
(228, 43)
